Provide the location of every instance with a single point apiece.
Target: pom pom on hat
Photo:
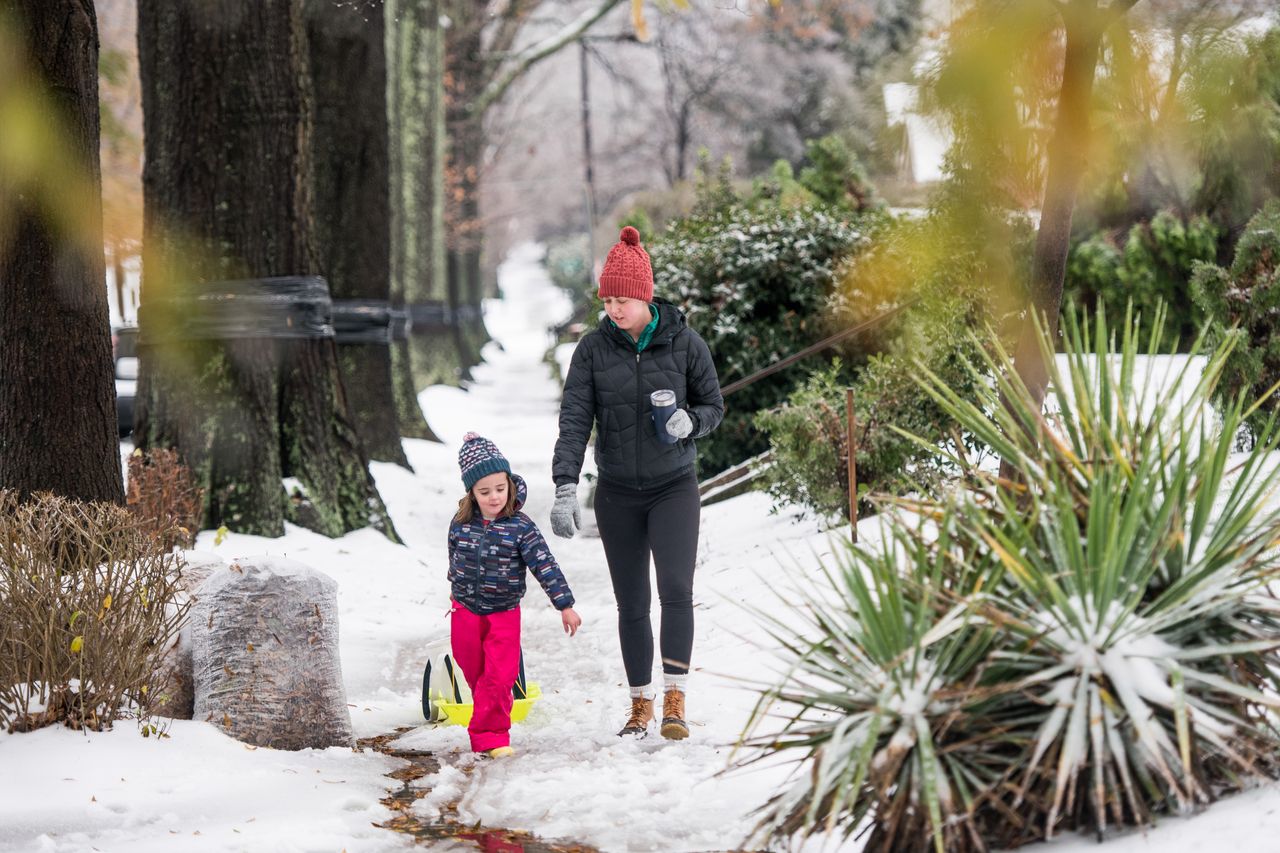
(627, 271)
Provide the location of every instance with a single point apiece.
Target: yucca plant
(1137, 550)
(878, 695)
(1109, 649)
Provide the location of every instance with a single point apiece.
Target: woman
(647, 495)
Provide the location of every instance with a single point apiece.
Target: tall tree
(1084, 23)
(57, 391)
(353, 213)
(227, 186)
(415, 92)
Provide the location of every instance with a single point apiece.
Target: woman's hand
(679, 425)
(570, 620)
(566, 515)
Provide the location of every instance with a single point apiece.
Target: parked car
(124, 351)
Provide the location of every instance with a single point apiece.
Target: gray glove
(566, 515)
(679, 425)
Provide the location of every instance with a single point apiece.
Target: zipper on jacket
(639, 417)
(484, 532)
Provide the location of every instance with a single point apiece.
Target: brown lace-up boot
(641, 716)
(673, 725)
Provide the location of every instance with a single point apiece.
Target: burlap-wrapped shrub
(264, 641)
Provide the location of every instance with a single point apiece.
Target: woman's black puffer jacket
(609, 385)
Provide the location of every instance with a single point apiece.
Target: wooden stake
(851, 422)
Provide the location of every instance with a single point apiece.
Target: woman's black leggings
(634, 523)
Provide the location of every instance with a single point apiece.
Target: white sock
(672, 681)
(644, 691)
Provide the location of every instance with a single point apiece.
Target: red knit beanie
(626, 270)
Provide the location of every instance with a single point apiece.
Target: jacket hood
(522, 491)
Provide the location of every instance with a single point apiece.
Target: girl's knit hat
(626, 270)
(479, 457)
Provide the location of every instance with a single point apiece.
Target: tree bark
(58, 429)
(466, 243)
(418, 146)
(352, 193)
(1068, 155)
(468, 75)
(227, 187)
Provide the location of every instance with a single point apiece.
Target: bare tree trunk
(418, 145)
(1085, 24)
(464, 228)
(403, 57)
(228, 192)
(58, 428)
(352, 187)
(1066, 164)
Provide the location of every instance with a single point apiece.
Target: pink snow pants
(488, 650)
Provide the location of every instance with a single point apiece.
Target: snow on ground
(572, 778)
(197, 790)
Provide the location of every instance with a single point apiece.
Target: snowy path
(572, 776)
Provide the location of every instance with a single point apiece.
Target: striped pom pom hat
(627, 271)
(480, 457)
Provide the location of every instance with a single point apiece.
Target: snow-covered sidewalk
(199, 790)
(572, 778)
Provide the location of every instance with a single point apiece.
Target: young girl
(491, 544)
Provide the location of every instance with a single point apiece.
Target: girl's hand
(571, 621)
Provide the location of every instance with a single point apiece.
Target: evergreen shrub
(1244, 302)
(1152, 265)
(754, 275)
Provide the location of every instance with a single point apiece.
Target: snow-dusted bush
(944, 280)
(754, 275)
(1243, 302)
(1088, 647)
(1151, 263)
(87, 607)
(809, 437)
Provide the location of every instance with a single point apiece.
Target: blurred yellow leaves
(41, 175)
(638, 20)
(641, 25)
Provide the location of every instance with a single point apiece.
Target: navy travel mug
(664, 405)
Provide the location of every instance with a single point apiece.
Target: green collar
(646, 336)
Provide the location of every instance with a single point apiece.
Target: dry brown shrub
(88, 604)
(164, 495)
